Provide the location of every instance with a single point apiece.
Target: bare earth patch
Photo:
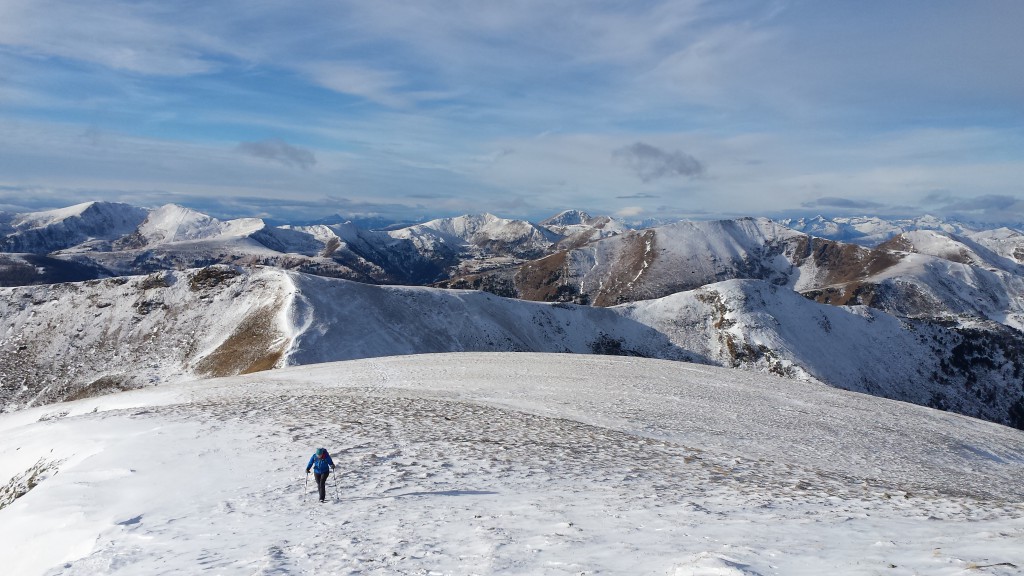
(256, 345)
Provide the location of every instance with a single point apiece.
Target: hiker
(322, 466)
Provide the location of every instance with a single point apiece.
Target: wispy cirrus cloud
(841, 108)
(137, 37)
(380, 86)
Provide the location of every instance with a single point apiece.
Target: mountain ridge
(124, 333)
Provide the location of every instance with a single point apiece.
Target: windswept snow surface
(339, 320)
(509, 464)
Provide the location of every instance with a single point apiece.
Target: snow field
(511, 464)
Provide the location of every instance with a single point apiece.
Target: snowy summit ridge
(509, 464)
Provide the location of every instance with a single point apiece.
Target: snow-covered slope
(1005, 242)
(578, 227)
(90, 222)
(480, 233)
(172, 223)
(647, 264)
(174, 238)
(962, 249)
(337, 320)
(508, 464)
(379, 255)
(916, 285)
(918, 275)
(69, 340)
(755, 324)
(66, 341)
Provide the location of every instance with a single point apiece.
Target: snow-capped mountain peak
(567, 218)
(174, 223)
(483, 232)
(51, 230)
(49, 217)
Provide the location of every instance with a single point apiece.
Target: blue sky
(521, 108)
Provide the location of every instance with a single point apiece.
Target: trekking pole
(337, 495)
(305, 487)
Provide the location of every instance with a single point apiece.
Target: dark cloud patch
(835, 202)
(984, 204)
(93, 136)
(638, 196)
(987, 209)
(279, 151)
(651, 163)
(939, 197)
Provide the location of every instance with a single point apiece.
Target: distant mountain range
(932, 313)
(100, 239)
(923, 274)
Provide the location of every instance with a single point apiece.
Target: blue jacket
(320, 465)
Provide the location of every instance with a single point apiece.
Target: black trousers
(321, 484)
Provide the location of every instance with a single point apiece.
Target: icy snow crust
(510, 464)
